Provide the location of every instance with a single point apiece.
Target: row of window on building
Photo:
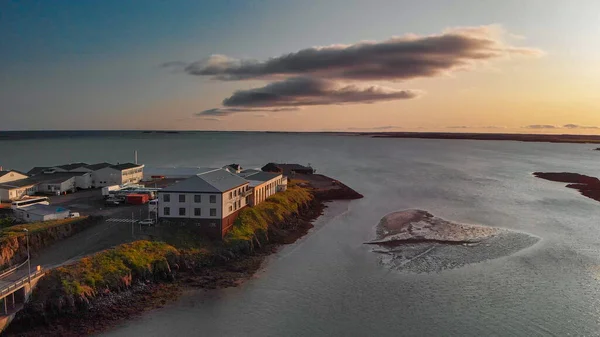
(197, 198)
(197, 211)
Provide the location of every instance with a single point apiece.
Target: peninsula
(100, 290)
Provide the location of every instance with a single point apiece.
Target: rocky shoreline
(586, 185)
(111, 308)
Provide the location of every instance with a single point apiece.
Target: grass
(113, 269)
(254, 220)
(17, 230)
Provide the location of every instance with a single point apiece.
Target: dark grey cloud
(540, 126)
(305, 91)
(398, 58)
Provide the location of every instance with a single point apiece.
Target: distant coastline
(543, 138)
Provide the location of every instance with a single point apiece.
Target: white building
(11, 175)
(38, 212)
(264, 185)
(119, 174)
(211, 200)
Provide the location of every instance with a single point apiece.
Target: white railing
(19, 283)
(11, 270)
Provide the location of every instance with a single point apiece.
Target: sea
(329, 283)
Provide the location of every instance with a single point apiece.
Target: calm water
(330, 284)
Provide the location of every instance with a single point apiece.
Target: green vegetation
(111, 269)
(256, 220)
(33, 227)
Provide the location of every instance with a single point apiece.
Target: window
(230, 208)
(235, 193)
(213, 212)
(167, 210)
(230, 195)
(182, 198)
(181, 211)
(197, 211)
(167, 198)
(197, 198)
(213, 199)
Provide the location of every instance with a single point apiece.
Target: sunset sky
(439, 65)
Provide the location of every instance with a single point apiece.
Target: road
(115, 229)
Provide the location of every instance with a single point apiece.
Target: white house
(119, 174)
(11, 175)
(264, 185)
(211, 200)
(38, 212)
(56, 183)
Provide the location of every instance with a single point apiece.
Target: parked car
(147, 222)
(112, 202)
(74, 215)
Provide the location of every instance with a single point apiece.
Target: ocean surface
(330, 284)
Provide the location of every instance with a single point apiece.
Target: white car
(147, 222)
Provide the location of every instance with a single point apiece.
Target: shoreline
(586, 185)
(110, 309)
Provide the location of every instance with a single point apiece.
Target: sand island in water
(417, 241)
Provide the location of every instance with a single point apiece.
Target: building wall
(17, 193)
(31, 217)
(65, 186)
(84, 181)
(107, 176)
(12, 176)
(133, 175)
(266, 189)
(189, 205)
(234, 200)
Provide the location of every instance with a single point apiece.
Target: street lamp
(28, 257)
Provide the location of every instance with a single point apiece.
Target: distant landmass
(595, 139)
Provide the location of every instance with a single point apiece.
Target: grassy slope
(17, 230)
(254, 220)
(116, 268)
(110, 269)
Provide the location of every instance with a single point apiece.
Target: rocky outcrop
(586, 185)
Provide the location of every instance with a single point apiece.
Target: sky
(527, 66)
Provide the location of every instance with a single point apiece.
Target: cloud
(458, 127)
(230, 111)
(575, 126)
(398, 58)
(540, 126)
(212, 119)
(306, 91)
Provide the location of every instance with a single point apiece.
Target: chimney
(135, 155)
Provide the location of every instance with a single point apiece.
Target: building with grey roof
(264, 185)
(210, 200)
(39, 212)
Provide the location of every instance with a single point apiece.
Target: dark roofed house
(233, 168)
(126, 173)
(125, 166)
(288, 169)
(96, 167)
(37, 170)
(272, 167)
(73, 166)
